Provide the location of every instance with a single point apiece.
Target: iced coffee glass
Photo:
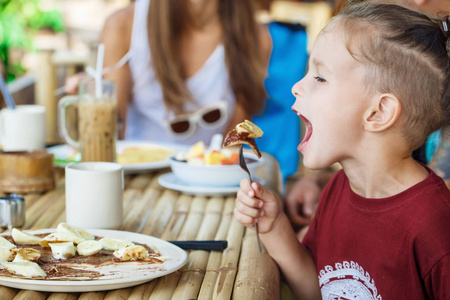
(97, 118)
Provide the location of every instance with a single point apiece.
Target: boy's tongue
(308, 133)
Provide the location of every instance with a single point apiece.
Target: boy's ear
(383, 113)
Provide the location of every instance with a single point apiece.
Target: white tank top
(147, 113)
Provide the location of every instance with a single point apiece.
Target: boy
(377, 86)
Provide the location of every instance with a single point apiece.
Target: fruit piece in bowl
(216, 168)
(198, 154)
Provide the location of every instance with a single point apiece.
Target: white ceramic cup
(23, 128)
(94, 192)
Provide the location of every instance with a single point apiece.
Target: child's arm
(257, 203)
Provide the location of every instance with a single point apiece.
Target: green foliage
(19, 22)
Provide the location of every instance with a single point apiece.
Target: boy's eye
(319, 79)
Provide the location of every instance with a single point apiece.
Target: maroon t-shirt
(390, 248)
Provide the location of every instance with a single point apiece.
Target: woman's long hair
(244, 58)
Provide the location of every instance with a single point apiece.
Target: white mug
(94, 192)
(22, 128)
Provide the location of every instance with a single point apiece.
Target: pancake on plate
(143, 154)
(71, 253)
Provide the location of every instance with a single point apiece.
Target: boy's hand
(256, 204)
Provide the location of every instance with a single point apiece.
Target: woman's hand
(72, 83)
(302, 200)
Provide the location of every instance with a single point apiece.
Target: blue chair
(280, 124)
(431, 145)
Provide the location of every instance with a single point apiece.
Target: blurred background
(70, 28)
(42, 42)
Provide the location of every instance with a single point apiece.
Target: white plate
(170, 181)
(135, 274)
(63, 152)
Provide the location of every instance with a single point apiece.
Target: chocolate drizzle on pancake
(79, 267)
(234, 138)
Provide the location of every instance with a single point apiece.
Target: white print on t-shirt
(347, 281)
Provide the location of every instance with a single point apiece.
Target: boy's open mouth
(308, 132)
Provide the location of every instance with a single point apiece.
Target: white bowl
(214, 175)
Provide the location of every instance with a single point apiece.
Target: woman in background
(196, 67)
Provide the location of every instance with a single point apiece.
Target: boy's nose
(296, 89)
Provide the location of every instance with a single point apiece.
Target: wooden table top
(239, 272)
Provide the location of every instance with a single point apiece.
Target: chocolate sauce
(62, 268)
(234, 138)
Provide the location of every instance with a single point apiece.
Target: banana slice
(244, 133)
(89, 248)
(197, 150)
(4, 243)
(114, 243)
(131, 253)
(8, 254)
(27, 254)
(250, 129)
(21, 237)
(63, 250)
(24, 268)
(70, 229)
(58, 237)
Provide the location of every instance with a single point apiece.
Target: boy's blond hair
(406, 54)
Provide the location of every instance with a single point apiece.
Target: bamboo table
(239, 272)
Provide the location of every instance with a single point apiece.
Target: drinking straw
(216, 143)
(8, 98)
(90, 71)
(99, 71)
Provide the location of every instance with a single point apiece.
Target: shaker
(12, 211)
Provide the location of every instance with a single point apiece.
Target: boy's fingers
(247, 210)
(245, 184)
(248, 200)
(243, 219)
(260, 192)
(246, 187)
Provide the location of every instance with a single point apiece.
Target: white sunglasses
(211, 117)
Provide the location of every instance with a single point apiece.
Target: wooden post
(45, 87)
(7, 293)
(92, 296)
(63, 296)
(31, 295)
(258, 276)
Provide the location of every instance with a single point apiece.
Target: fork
(243, 165)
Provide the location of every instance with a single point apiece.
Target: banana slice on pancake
(131, 253)
(115, 243)
(27, 254)
(8, 254)
(24, 238)
(4, 243)
(26, 269)
(63, 250)
(70, 229)
(244, 133)
(58, 237)
(89, 247)
(249, 129)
